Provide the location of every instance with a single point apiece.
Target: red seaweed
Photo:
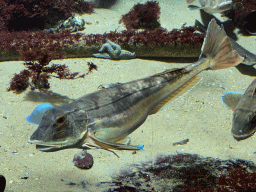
(38, 49)
(240, 9)
(185, 35)
(142, 16)
(17, 15)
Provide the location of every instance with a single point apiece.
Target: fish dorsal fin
(183, 89)
(231, 99)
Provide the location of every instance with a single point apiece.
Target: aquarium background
(199, 115)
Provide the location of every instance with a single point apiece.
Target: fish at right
(212, 6)
(244, 107)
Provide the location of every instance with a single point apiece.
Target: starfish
(113, 52)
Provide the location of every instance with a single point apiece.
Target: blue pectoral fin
(231, 99)
(141, 147)
(36, 116)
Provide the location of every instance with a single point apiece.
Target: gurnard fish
(103, 119)
(212, 6)
(244, 107)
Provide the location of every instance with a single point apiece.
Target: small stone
(83, 160)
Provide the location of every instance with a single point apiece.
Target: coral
(142, 16)
(17, 15)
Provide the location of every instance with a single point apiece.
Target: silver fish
(212, 6)
(244, 107)
(103, 119)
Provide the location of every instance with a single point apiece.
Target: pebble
(83, 160)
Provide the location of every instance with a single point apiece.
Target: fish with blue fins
(244, 107)
(103, 119)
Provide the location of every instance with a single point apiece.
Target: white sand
(199, 115)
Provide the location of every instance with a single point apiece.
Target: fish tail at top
(217, 48)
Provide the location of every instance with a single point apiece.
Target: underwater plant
(183, 42)
(237, 179)
(186, 172)
(37, 74)
(186, 35)
(142, 16)
(16, 15)
(241, 15)
(37, 50)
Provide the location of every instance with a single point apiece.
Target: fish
(244, 107)
(211, 6)
(104, 119)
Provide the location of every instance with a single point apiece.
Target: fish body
(212, 6)
(244, 107)
(105, 118)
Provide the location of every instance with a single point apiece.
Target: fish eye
(61, 119)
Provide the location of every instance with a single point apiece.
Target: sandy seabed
(198, 115)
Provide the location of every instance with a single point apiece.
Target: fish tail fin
(217, 48)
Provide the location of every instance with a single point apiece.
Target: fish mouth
(242, 137)
(46, 148)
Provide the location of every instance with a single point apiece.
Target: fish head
(244, 124)
(60, 129)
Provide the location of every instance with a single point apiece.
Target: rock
(83, 160)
